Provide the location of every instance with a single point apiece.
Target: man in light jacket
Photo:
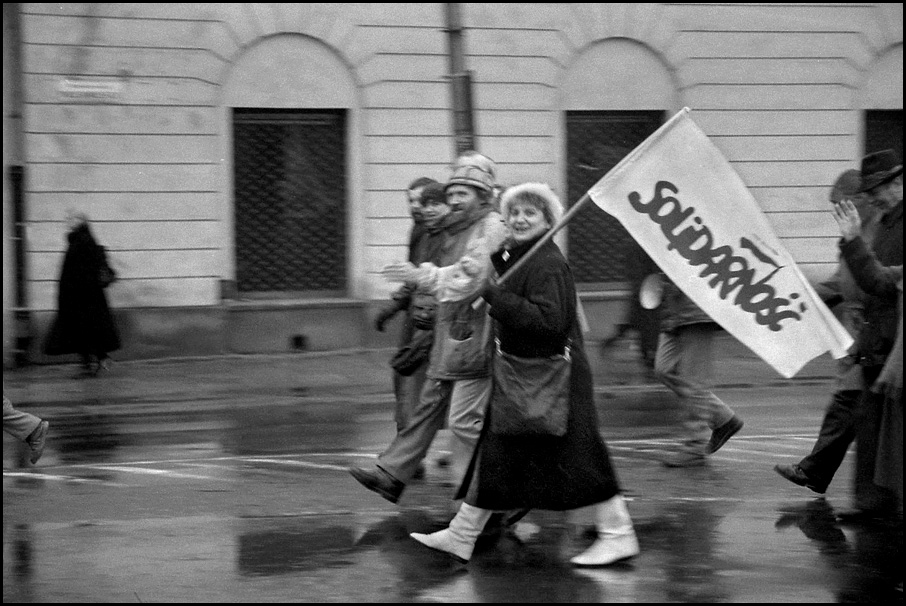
(459, 369)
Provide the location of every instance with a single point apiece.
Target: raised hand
(848, 219)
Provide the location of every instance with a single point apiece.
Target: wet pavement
(224, 479)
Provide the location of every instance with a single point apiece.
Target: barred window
(290, 189)
(884, 130)
(600, 251)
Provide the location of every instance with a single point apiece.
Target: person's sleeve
(829, 290)
(542, 312)
(466, 277)
(867, 271)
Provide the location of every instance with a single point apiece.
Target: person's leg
(869, 497)
(616, 536)
(458, 539)
(685, 364)
(669, 370)
(86, 369)
(468, 405)
(17, 423)
(836, 434)
(25, 427)
(409, 447)
(696, 367)
(407, 390)
(401, 411)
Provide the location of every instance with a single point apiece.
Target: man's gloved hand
(383, 316)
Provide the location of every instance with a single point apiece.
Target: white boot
(457, 539)
(616, 537)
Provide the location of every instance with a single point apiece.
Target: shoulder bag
(530, 396)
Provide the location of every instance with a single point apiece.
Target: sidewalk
(341, 376)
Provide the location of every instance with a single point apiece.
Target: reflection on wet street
(239, 498)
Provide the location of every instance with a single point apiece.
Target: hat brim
(872, 181)
(470, 182)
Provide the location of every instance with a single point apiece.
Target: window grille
(290, 190)
(600, 251)
(884, 130)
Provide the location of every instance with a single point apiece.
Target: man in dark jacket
(425, 241)
(685, 363)
(840, 291)
(881, 179)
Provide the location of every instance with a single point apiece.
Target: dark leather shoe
(864, 517)
(723, 433)
(794, 474)
(379, 481)
(683, 459)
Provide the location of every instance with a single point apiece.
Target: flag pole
(544, 239)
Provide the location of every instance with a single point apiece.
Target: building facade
(244, 164)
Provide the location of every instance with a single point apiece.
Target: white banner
(685, 205)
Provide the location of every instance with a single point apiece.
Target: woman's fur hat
(538, 193)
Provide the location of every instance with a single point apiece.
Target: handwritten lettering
(726, 271)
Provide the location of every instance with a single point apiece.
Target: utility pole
(461, 81)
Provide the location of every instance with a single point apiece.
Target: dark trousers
(870, 496)
(838, 430)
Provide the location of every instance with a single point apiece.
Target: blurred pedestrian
(83, 324)
(25, 427)
(639, 319)
(842, 293)
(459, 368)
(425, 241)
(536, 321)
(881, 179)
(883, 399)
(685, 363)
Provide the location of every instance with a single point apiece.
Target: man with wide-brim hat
(882, 179)
(841, 292)
(879, 168)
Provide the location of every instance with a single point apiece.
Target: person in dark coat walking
(83, 324)
(428, 207)
(842, 293)
(886, 395)
(535, 317)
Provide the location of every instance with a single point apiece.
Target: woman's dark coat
(83, 324)
(535, 314)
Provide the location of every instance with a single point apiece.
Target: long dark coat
(83, 323)
(535, 314)
(886, 283)
(877, 336)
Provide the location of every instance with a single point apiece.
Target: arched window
(614, 95)
(287, 99)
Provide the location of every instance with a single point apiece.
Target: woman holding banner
(534, 309)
